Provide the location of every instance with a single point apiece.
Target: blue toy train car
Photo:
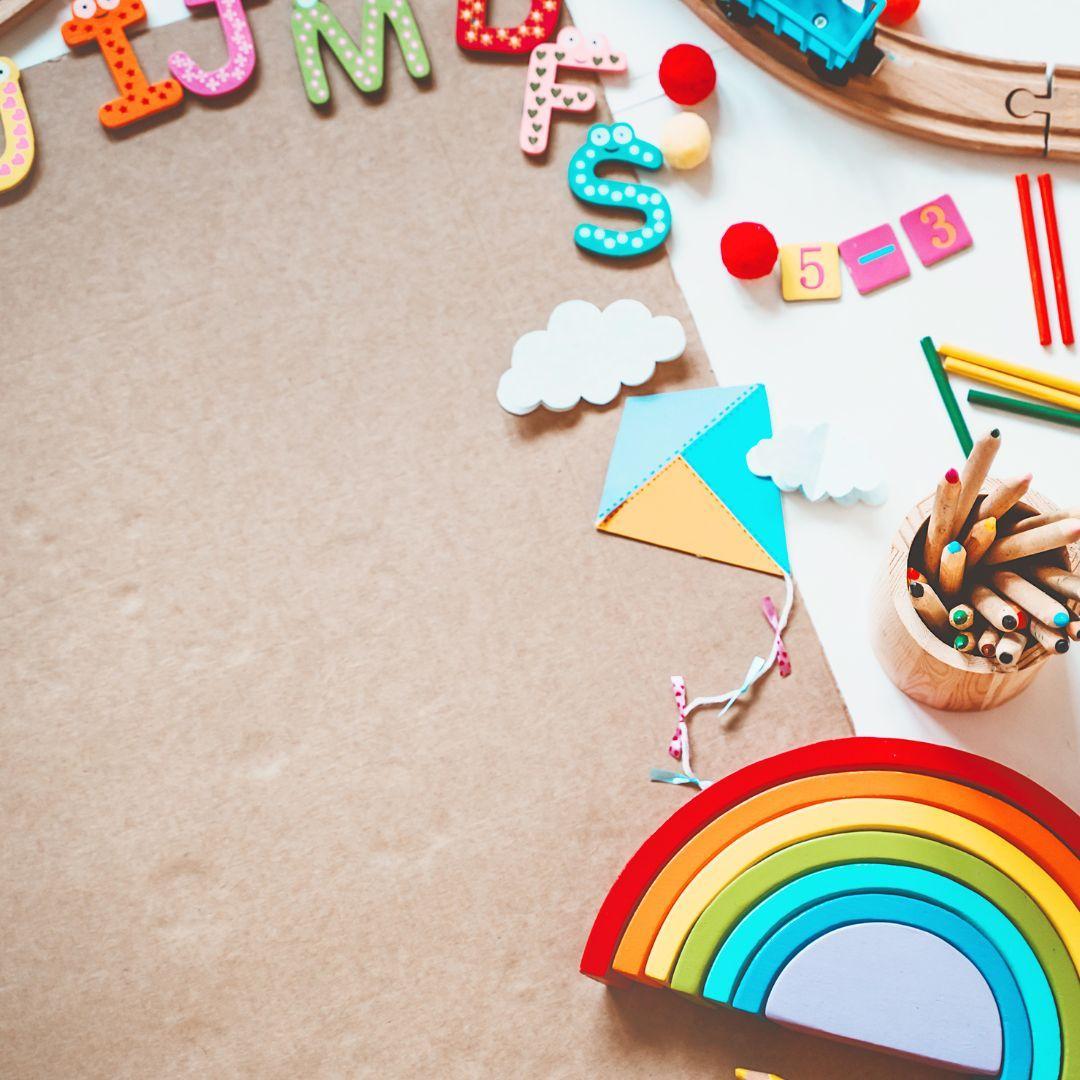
(837, 37)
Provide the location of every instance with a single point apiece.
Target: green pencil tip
(958, 617)
(959, 641)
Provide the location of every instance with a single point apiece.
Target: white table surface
(810, 174)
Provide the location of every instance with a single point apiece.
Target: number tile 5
(810, 272)
(936, 230)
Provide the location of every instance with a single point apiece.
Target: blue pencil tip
(1061, 619)
(954, 547)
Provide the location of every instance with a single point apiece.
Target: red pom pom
(748, 250)
(899, 11)
(687, 74)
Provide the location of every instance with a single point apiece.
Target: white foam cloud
(823, 462)
(588, 353)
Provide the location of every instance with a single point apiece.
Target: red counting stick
(1027, 217)
(1057, 265)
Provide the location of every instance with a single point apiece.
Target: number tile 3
(936, 230)
(810, 271)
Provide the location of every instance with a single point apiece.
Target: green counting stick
(1024, 408)
(952, 407)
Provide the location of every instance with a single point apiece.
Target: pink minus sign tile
(874, 258)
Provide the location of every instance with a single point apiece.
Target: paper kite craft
(678, 478)
(895, 894)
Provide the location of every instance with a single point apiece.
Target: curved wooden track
(955, 98)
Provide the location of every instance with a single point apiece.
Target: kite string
(679, 746)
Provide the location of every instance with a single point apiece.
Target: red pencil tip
(952, 476)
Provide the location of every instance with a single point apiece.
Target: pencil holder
(916, 660)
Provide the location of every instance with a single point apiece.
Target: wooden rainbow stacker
(910, 897)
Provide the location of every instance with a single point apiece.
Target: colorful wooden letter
(476, 36)
(241, 62)
(874, 258)
(543, 93)
(617, 142)
(810, 272)
(18, 153)
(107, 22)
(936, 230)
(312, 20)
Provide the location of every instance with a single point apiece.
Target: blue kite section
(654, 428)
(719, 458)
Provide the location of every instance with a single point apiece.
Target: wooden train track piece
(930, 92)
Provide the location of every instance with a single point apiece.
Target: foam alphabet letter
(107, 22)
(237, 68)
(617, 142)
(18, 153)
(543, 93)
(312, 20)
(475, 35)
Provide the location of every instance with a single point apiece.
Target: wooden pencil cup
(916, 660)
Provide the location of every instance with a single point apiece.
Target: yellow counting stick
(749, 1074)
(849, 815)
(18, 153)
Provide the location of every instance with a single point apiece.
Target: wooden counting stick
(1039, 605)
(994, 610)
(544, 92)
(1045, 538)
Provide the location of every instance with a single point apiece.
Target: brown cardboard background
(327, 714)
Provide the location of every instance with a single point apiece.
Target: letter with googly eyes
(239, 64)
(474, 35)
(545, 92)
(18, 153)
(313, 23)
(106, 22)
(618, 143)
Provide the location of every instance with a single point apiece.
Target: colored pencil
(964, 642)
(948, 398)
(1031, 243)
(940, 530)
(998, 503)
(1073, 629)
(1007, 367)
(973, 474)
(978, 541)
(988, 642)
(1053, 641)
(1033, 541)
(932, 611)
(961, 617)
(1011, 648)
(953, 559)
(1070, 417)
(1035, 520)
(1057, 264)
(1061, 581)
(1031, 598)
(1032, 389)
(994, 610)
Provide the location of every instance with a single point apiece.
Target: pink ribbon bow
(783, 661)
